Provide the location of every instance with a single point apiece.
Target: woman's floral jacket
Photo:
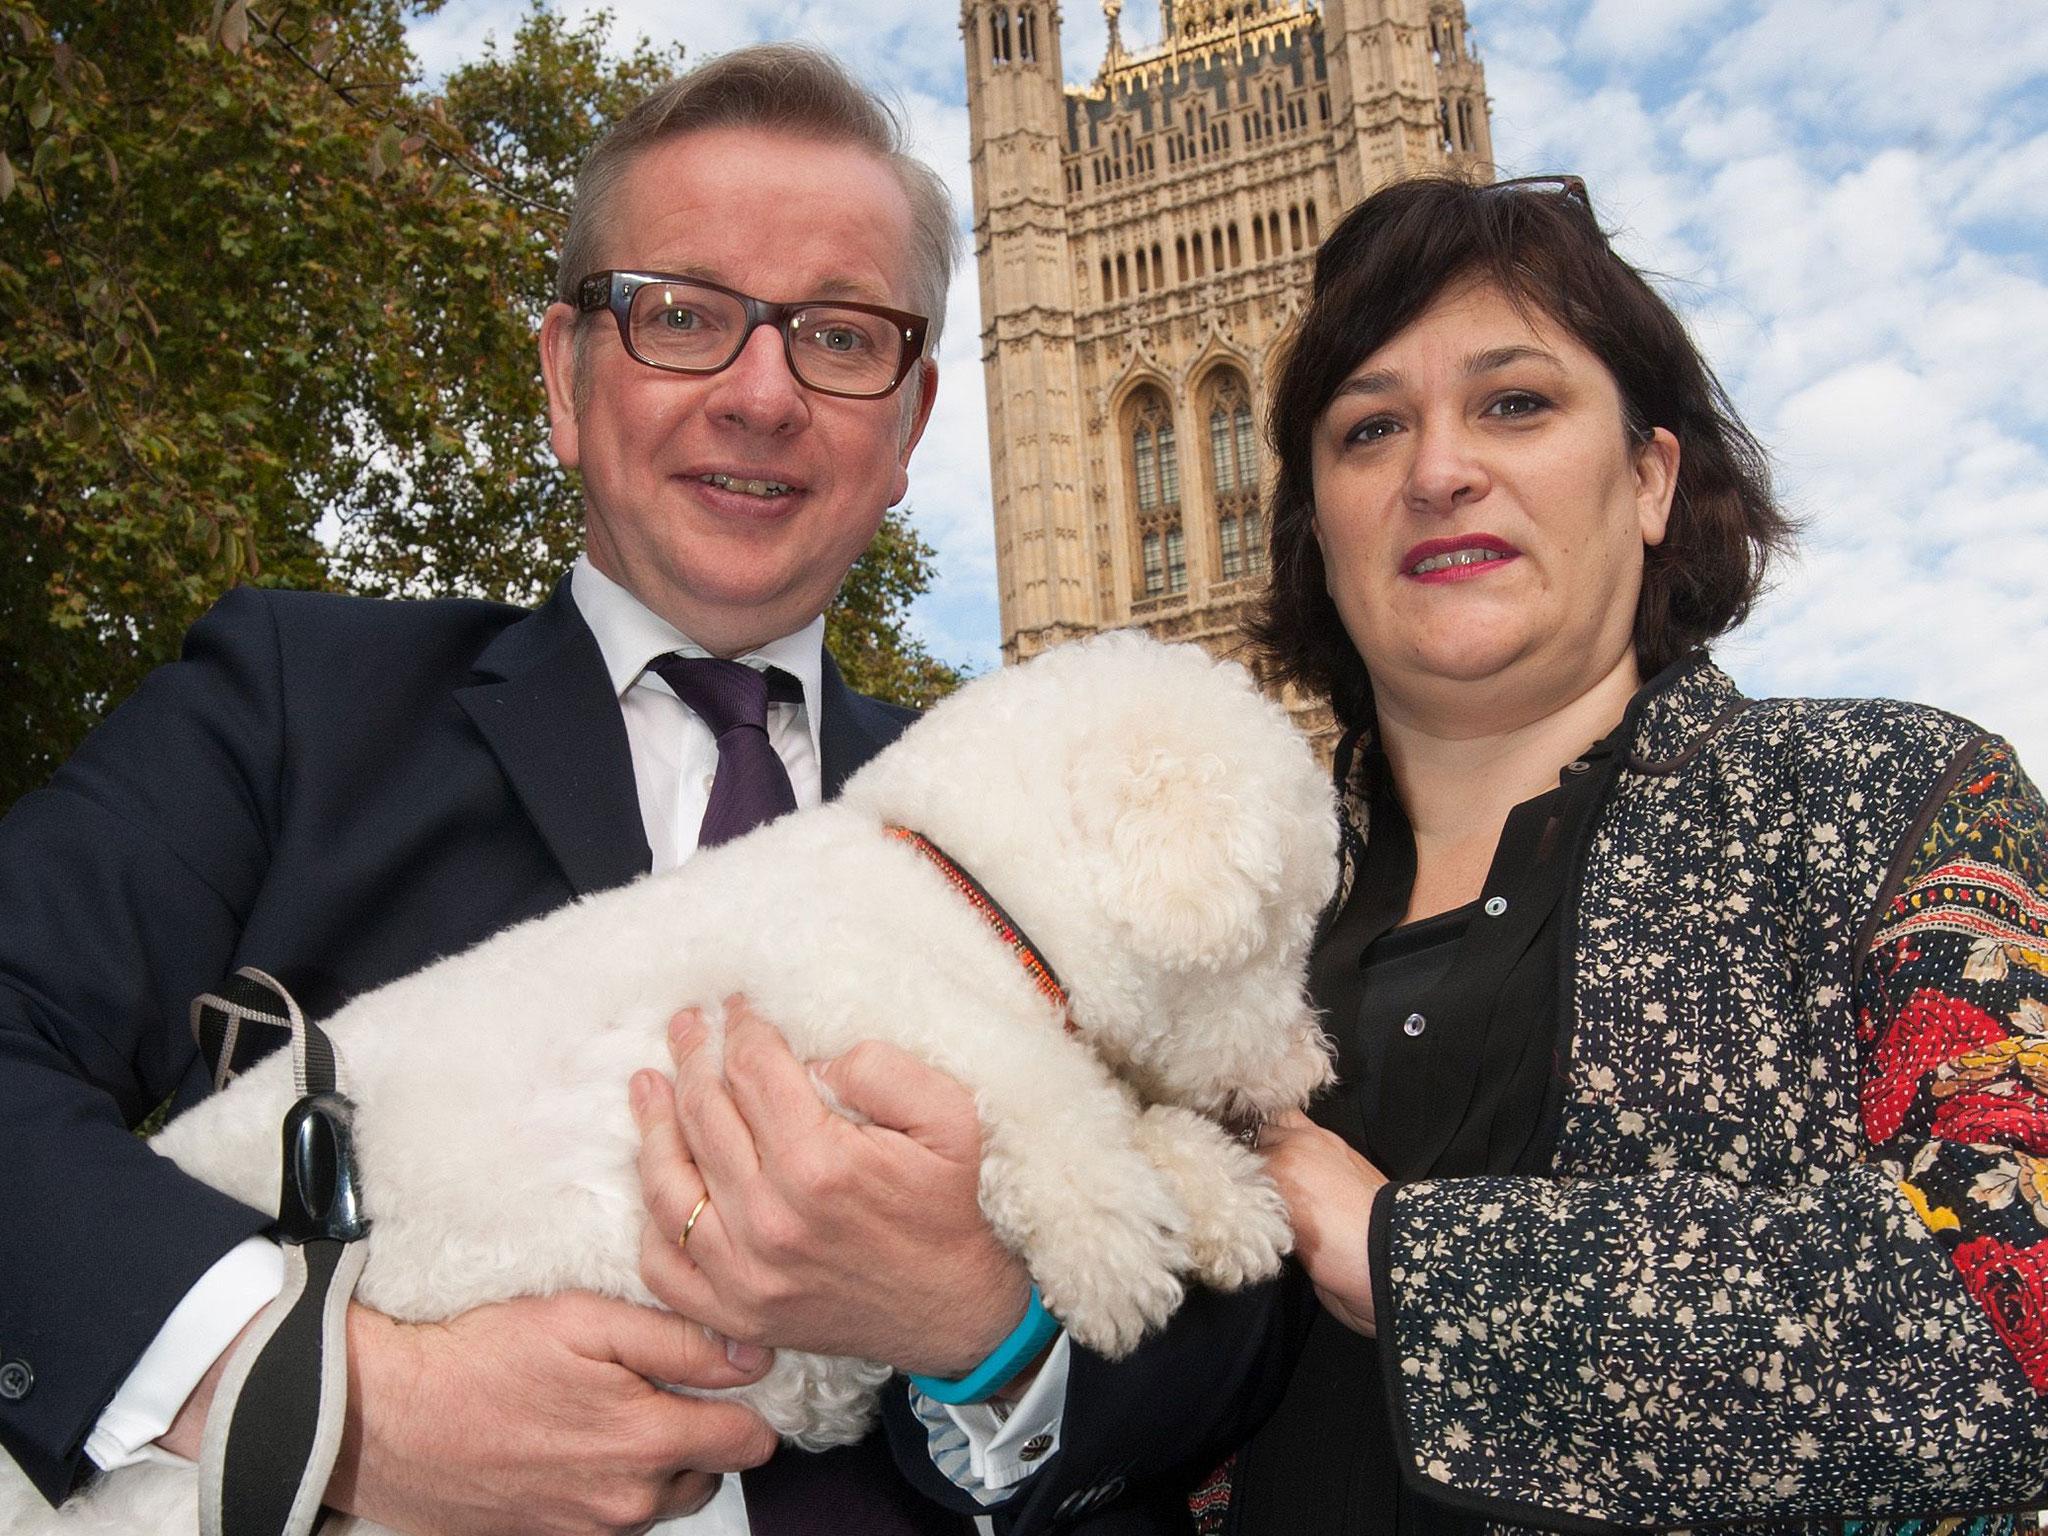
(1794, 1262)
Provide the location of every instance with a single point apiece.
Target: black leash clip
(321, 1197)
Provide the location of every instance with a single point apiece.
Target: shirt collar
(630, 634)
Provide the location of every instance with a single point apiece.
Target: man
(338, 792)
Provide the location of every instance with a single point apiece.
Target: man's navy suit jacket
(339, 791)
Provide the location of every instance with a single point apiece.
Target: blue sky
(1848, 199)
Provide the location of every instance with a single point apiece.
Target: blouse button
(1414, 1025)
(709, 780)
(1577, 765)
(1495, 905)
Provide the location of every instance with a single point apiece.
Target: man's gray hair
(791, 88)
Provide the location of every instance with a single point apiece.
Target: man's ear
(558, 359)
(918, 391)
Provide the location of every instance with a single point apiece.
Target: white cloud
(1631, 31)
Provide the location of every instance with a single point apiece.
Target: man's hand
(820, 1233)
(535, 1416)
(1329, 1191)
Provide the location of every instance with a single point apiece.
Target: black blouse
(1449, 1036)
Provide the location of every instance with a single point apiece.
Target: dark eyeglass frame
(1564, 185)
(614, 290)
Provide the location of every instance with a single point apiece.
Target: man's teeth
(748, 487)
(1455, 558)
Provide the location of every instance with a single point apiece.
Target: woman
(1690, 1158)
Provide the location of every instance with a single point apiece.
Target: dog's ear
(1187, 860)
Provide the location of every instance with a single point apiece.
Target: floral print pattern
(1792, 1267)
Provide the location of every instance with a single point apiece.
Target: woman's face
(1482, 510)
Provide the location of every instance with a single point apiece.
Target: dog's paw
(1238, 1232)
(1111, 1312)
(1101, 1229)
(1237, 1227)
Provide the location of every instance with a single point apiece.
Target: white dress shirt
(984, 1450)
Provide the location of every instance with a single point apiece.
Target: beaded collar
(1035, 964)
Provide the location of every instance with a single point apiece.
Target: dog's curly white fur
(1142, 812)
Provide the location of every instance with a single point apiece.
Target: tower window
(1233, 476)
(1148, 468)
(1155, 487)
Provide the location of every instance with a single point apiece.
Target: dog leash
(275, 1426)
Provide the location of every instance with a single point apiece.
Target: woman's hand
(1329, 1191)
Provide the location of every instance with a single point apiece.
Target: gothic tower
(1143, 243)
(1028, 305)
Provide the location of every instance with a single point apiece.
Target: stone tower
(1142, 243)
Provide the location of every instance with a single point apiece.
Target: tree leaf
(6, 177)
(82, 423)
(234, 26)
(39, 112)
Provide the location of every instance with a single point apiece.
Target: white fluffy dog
(1142, 813)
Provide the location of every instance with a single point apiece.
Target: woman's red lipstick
(1461, 558)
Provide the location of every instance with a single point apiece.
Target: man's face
(683, 475)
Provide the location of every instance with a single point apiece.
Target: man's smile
(747, 486)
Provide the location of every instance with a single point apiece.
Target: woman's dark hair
(1389, 259)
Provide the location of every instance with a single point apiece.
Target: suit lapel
(547, 711)
(851, 728)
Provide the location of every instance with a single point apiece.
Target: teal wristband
(1037, 1330)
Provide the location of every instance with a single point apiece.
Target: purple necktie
(752, 786)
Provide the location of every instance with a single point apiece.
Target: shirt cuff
(242, 1282)
(986, 1449)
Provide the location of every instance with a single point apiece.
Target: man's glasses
(686, 325)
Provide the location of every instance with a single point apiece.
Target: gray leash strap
(275, 1427)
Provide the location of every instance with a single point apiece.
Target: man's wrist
(1024, 1347)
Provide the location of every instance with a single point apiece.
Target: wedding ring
(695, 1211)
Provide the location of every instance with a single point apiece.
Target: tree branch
(489, 178)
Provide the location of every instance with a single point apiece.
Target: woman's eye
(1372, 430)
(1517, 403)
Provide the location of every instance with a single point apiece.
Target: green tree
(266, 315)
